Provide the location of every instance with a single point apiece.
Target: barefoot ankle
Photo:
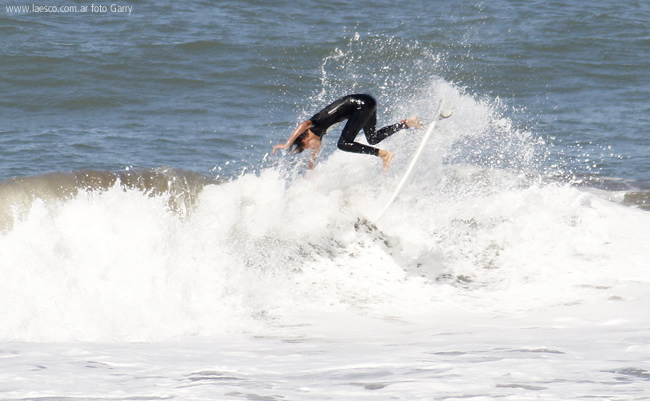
(413, 121)
(386, 158)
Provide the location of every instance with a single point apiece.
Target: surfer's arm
(313, 155)
(304, 126)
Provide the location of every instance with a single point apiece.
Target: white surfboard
(416, 157)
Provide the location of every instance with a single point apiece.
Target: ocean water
(151, 247)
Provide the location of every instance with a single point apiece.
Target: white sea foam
(256, 253)
(485, 280)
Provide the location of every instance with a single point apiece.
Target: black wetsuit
(361, 112)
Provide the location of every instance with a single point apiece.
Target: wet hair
(298, 145)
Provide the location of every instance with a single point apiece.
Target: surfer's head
(306, 140)
(299, 144)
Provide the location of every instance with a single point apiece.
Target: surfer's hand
(283, 146)
(414, 122)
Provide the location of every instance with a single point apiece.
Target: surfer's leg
(374, 137)
(346, 143)
(358, 120)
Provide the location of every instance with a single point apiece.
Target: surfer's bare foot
(386, 157)
(414, 122)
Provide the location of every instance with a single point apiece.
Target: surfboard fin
(446, 113)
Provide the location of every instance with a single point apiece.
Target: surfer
(361, 112)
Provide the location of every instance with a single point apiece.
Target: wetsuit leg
(374, 137)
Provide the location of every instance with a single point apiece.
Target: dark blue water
(210, 86)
